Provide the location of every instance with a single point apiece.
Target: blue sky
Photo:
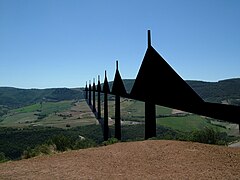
(64, 43)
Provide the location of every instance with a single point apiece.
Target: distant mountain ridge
(224, 91)
(15, 97)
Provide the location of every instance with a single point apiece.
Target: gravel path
(151, 159)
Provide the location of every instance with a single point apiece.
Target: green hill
(43, 113)
(227, 91)
(11, 98)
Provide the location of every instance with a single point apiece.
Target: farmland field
(132, 110)
(32, 125)
(187, 123)
(60, 114)
(70, 113)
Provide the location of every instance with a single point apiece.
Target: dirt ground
(151, 159)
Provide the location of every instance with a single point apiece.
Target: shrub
(28, 153)
(84, 143)
(38, 150)
(61, 142)
(3, 157)
(41, 116)
(209, 136)
(110, 141)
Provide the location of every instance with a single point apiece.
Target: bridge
(155, 75)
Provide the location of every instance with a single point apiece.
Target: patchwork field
(133, 111)
(62, 114)
(69, 113)
(31, 126)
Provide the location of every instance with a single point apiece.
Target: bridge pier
(94, 90)
(99, 98)
(90, 94)
(106, 90)
(150, 119)
(117, 118)
(105, 136)
(86, 92)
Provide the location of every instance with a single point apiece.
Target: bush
(61, 142)
(41, 116)
(209, 136)
(110, 141)
(3, 157)
(38, 150)
(28, 153)
(84, 143)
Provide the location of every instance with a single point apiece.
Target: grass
(65, 114)
(27, 109)
(53, 107)
(132, 110)
(187, 123)
(54, 114)
(78, 115)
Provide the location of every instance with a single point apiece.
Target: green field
(52, 114)
(32, 125)
(187, 123)
(44, 114)
(69, 113)
(132, 110)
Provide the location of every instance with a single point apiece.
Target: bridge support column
(86, 92)
(94, 89)
(90, 94)
(150, 120)
(117, 118)
(105, 132)
(99, 98)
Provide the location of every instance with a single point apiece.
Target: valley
(32, 117)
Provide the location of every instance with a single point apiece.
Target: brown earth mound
(151, 159)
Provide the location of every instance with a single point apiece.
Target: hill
(11, 98)
(151, 159)
(225, 91)
(222, 91)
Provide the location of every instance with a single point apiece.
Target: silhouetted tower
(118, 90)
(90, 94)
(143, 89)
(99, 98)
(106, 90)
(86, 91)
(149, 39)
(150, 119)
(94, 90)
(117, 118)
(150, 107)
(117, 114)
(174, 93)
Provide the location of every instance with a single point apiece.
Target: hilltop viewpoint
(149, 159)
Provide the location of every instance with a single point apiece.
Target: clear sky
(64, 43)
